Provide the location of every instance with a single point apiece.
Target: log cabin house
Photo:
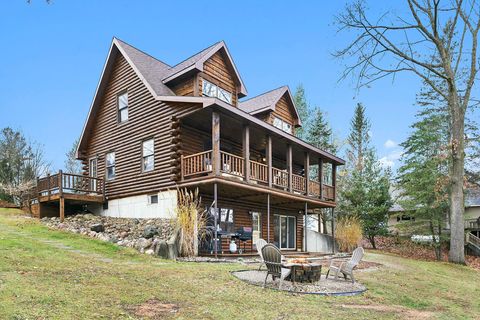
(154, 128)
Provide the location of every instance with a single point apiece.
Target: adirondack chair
(273, 260)
(260, 244)
(346, 268)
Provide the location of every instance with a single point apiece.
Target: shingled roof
(267, 101)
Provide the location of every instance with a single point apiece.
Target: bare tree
(433, 38)
(72, 165)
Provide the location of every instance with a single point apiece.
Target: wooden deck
(55, 192)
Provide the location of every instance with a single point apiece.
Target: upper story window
(281, 124)
(123, 107)
(212, 90)
(148, 155)
(110, 165)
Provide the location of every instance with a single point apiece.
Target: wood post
(268, 155)
(216, 143)
(305, 227)
(60, 184)
(62, 209)
(215, 206)
(333, 229)
(246, 152)
(320, 223)
(48, 185)
(334, 181)
(306, 171)
(320, 176)
(181, 168)
(289, 167)
(268, 217)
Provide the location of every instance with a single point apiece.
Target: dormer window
(281, 124)
(211, 90)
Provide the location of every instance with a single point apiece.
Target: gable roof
(267, 102)
(196, 62)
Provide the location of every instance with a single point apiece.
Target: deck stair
(473, 244)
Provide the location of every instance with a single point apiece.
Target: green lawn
(55, 275)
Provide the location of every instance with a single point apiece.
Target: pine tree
(319, 133)
(364, 189)
(303, 112)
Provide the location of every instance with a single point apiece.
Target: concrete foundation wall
(139, 206)
(319, 242)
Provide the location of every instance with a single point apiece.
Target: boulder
(142, 244)
(97, 227)
(150, 231)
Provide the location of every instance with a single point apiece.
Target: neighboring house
(154, 128)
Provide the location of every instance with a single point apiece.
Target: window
(110, 165)
(123, 107)
(225, 222)
(147, 155)
(211, 90)
(153, 198)
(282, 125)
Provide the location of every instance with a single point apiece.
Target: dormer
(210, 72)
(275, 107)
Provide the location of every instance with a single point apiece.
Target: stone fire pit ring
(324, 287)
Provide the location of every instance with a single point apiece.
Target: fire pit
(303, 271)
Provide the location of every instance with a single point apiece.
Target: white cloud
(390, 160)
(389, 144)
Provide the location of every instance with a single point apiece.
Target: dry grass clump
(348, 233)
(191, 220)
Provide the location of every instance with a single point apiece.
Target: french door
(285, 231)
(93, 173)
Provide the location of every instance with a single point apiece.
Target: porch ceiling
(237, 193)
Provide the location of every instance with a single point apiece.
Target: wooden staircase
(472, 243)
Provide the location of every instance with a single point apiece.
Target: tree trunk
(457, 207)
(372, 242)
(324, 221)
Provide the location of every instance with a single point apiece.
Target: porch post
(268, 155)
(305, 227)
(306, 171)
(268, 217)
(62, 208)
(320, 176)
(333, 230)
(289, 167)
(216, 143)
(334, 181)
(246, 152)
(215, 206)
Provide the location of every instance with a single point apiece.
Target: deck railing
(62, 182)
(197, 163)
(472, 224)
(298, 183)
(258, 171)
(230, 164)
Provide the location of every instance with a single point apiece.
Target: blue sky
(52, 57)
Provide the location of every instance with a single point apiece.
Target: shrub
(348, 233)
(191, 220)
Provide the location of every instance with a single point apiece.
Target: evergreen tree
(319, 132)
(72, 165)
(303, 112)
(364, 189)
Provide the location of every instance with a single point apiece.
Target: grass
(47, 274)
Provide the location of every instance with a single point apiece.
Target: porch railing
(472, 224)
(62, 182)
(232, 164)
(298, 183)
(201, 163)
(197, 163)
(258, 171)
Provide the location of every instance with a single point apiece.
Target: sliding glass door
(284, 231)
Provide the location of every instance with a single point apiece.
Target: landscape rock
(98, 227)
(150, 231)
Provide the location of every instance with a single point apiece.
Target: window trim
(107, 166)
(119, 117)
(152, 155)
(218, 89)
(149, 198)
(282, 123)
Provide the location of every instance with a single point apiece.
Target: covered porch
(246, 213)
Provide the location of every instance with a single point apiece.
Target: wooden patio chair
(273, 261)
(260, 243)
(346, 267)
